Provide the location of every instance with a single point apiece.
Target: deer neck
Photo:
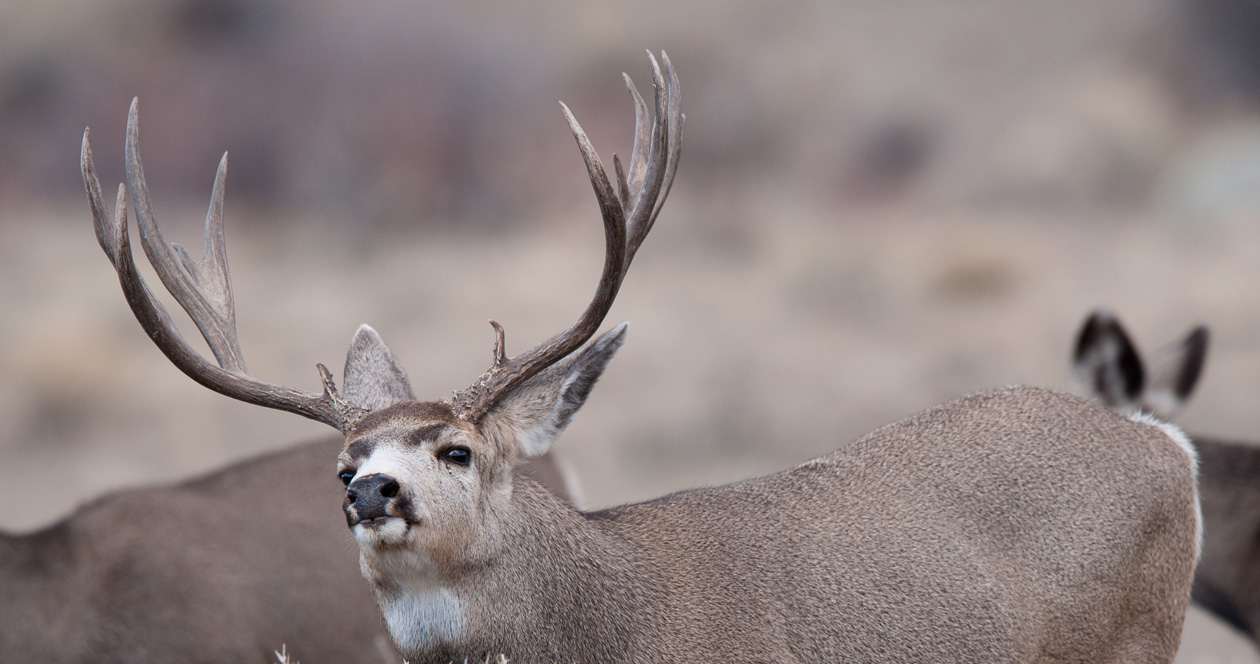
(545, 580)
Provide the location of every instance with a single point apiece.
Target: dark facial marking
(359, 449)
(407, 410)
(427, 433)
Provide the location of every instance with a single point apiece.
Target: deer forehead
(404, 437)
(406, 413)
(406, 426)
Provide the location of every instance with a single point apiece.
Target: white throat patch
(421, 619)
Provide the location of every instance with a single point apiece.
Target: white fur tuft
(1178, 436)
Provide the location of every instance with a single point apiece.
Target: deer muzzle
(368, 498)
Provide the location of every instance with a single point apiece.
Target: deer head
(417, 472)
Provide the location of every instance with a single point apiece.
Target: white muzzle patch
(393, 531)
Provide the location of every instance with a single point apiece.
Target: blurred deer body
(1016, 526)
(222, 568)
(1108, 367)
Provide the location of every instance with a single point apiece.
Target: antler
(202, 287)
(628, 212)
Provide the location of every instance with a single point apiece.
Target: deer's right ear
(540, 409)
(1106, 365)
(373, 377)
(1174, 372)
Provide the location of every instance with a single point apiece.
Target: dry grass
(282, 656)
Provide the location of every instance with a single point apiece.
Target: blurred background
(882, 204)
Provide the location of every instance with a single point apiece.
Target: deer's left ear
(1106, 365)
(374, 378)
(540, 409)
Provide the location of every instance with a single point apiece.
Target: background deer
(1108, 367)
(1017, 525)
(223, 568)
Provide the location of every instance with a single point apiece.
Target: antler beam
(202, 287)
(628, 211)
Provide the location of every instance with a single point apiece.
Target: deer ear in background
(1106, 365)
(1174, 372)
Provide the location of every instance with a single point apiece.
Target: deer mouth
(383, 521)
(382, 530)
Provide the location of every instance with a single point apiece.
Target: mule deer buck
(1020, 525)
(1108, 367)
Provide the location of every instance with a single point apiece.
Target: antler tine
(676, 120)
(232, 381)
(202, 287)
(652, 166)
(665, 144)
(632, 180)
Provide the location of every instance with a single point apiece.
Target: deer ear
(540, 409)
(373, 377)
(1174, 372)
(1106, 365)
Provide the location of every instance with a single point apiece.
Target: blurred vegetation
(397, 113)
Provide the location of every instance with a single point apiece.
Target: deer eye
(459, 456)
(345, 476)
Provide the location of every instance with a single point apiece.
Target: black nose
(367, 497)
